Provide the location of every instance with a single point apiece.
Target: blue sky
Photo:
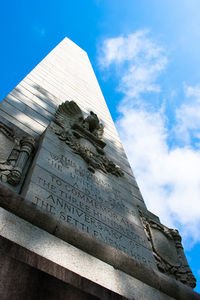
(146, 57)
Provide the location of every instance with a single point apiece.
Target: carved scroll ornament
(168, 251)
(75, 128)
(14, 154)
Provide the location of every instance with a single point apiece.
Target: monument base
(26, 275)
(39, 265)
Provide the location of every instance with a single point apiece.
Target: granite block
(45, 246)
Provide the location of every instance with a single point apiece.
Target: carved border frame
(182, 271)
(11, 170)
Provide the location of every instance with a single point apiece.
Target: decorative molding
(168, 250)
(11, 168)
(85, 137)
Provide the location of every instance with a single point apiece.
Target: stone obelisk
(73, 221)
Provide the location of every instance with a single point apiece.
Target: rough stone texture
(60, 183)
(16, 154)
(18, 280)
(62, 256)
(144, 283)
(33, 284)
(69, 182)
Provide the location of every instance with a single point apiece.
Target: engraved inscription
(66, 192)
(91, 184)
(68, 204)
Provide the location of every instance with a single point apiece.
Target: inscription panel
(68, 204)
(103, 188)
(99, 203)
(126, 183)
(61, 191)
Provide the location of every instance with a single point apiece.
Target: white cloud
(169, 179)
(188, 115)
(138, 59)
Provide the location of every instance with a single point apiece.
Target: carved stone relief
(168, 250)
(85, 137)
(14, 153)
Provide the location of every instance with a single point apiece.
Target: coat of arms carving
(168, 250)
(84, 135)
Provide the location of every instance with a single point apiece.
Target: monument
(74, 224)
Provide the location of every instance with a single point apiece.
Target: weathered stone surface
(99, 185)
(73, 185)
(129, 239)
(90, 202)
(168, 250)
(34, 284)
(6, 146)
(16, 150)
(117, 160)
(54, 256)
(66, 191)
(58, 159)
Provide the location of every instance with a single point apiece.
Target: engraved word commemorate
(71, 206)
